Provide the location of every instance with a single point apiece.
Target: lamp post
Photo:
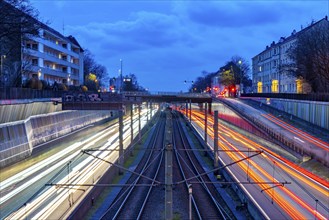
(240, 76)
(2, 75)
(39, 74)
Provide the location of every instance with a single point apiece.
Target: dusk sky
(166, 42)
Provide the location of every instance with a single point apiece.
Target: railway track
(206, 201)
(130, 202)
(142, 197)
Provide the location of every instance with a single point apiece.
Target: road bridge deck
(114, 101)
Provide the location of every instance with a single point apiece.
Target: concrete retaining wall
(18, 139)
(14, 144)
(314, 112)
(21, 111)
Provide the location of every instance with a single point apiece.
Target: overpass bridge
(114, 101)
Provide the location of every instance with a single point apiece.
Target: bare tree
(235, 72)
(203, 82)
(310, 57)
(18, 22)
(90, 66)
(131, 83)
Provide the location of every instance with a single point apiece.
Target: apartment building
(54, 58)
(267, 77)
(48, 55)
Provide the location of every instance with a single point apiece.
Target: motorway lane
(307, 142)
(306, 193)
(103, 136)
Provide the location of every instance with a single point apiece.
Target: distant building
(266, 74)
(50, 56)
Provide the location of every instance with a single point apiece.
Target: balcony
(58, 47)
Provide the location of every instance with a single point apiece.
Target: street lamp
(2, 75)
(39, 73)
(240, 76)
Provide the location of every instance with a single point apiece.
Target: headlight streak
(87, 167)
(298, 132)
(281, 164)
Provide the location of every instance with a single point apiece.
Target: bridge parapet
(108, 100)
(178, 94)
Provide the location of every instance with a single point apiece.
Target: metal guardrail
(12, 93)
(321, 97)
(26, 93)
(178, 94)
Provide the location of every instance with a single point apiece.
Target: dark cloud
(233, 14)
(144, 30)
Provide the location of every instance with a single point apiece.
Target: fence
(321, 97)
(26, 93)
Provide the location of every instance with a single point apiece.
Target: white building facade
(53, 58)
(266, 74)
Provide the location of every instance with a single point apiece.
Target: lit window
(299, 85)
(275, 85)
(259, 87)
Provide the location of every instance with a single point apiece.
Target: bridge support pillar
(209, 108)
(205, 125)
(186, 109)
(121, 159)
(131, 123)
(131, 127)
(216, 142)
(139, 124)
(151, 105)
(190, 111)
(147, 112)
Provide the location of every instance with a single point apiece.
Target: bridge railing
(179, 94)
(321, 97)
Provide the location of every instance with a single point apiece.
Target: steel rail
(127, 193)
(200, 178)
(185, 179)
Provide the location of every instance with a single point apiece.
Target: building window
(275, 86)
(260, 68)
(35, 46)
(299, 85)
(259, 87)
(35, 62)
